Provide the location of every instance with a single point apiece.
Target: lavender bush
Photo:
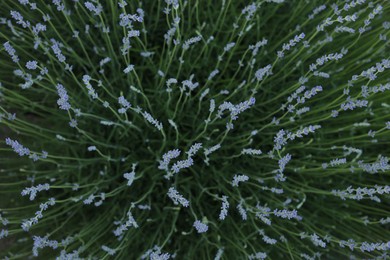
(194, 129)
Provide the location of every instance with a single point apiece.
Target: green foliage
(283, 105)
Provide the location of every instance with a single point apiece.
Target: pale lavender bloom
(95, 9)
(161, 73)
(304, 131)
(321, 74)
(360, 193)
(174, 3)
(239, 178)
(75, 34)
(204, 93)
(317, 241)
(170, 33)
(167, 157)
(130, 176)
(381, 165)
(255, 48)
(59, 4)
(219, 254)
(177, 199)
(266, 238)
(57, 51)
(156, 254)
(258, 255)
(171, 81)
(384, 221)
(124, 103)
(251, 151)
(322, 60)
(269, 240)
(224, 106)
(24, 2)
(189, 84)
(241, 107)
(182, 165)
(17, 147)
(19, 19)
(194, 149)
(241, 210)
(11, 51)
(44, 71)
(108, 250)
(283, 161)
(276, 190)
(3, 233)
(352, 104)
(91, 90)
(224, 208)
(310, 93)
(73, 123)
(266, 71)
(212, 149)
(34, 190)
(64, 98)
(369, 247)
(26, 224)
(91, 148)
(130, 222)
(153, 121)
(249, 11)
(4, 221)
(316, 11)
(104, 61)
(44, 155)
(229, 46)
(280, 140)
(340, 29)
(191, 41)
(128, 69)
(350, 243)
(298, 91)
(77, 112)
(212, 106)
(213, 74)
(302, 110)
(35, 157)
(144, 207)
(42, 242)
(126, 20)
(334, 113)
(263, 214)
(11, 116)
(291, 43)
(136, 33)
(89, 200)
(200, 227)
(287, 214)
(338, 161)
(32, 65)
(46, 17)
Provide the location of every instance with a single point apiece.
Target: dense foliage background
(194, 129)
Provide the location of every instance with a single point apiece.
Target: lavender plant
(194, 129)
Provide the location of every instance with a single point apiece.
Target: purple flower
(200, 227)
